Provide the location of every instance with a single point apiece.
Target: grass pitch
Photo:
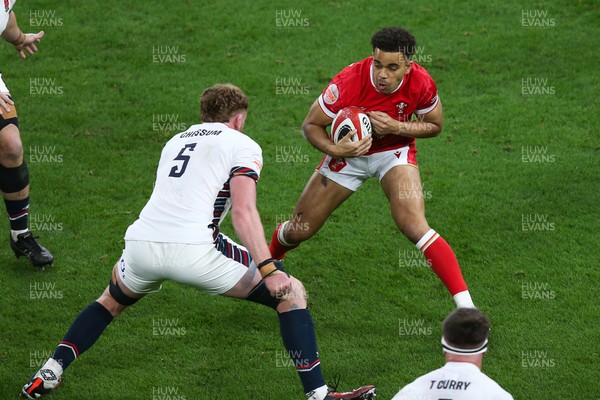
(511, 183)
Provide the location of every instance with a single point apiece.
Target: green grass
(360, 293)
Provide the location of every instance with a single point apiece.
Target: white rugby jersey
(191, 191)
(454, 381)
(7, 5)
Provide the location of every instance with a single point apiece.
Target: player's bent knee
(119, 296)
(260, 294)
(298, 291)
(415, 231)
(11, 147)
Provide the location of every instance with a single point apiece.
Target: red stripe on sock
(299, 368)
(72, 345)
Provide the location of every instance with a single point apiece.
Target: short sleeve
(247, 161)
(335, 97)
(429, 97)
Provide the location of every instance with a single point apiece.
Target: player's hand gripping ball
(350, 119)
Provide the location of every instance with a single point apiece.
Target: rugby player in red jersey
(402, 102)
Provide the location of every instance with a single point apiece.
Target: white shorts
(145, 265)
(351, 172)
(3, 87)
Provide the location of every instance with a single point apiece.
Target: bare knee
(413, 227)
(11, 148)
(295, 299)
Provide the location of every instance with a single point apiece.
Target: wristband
(266, 267)
(19, 41)
(265, 262)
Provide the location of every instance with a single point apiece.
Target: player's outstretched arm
(23, 42)
(249, 228)
(428, 125)
(314, 131)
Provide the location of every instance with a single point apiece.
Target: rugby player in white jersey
(202, 174)
(14, 174)
(464, 341)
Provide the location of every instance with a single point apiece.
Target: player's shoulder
(216, 130)
(356, 70)
(419, 73)
(348, 83)
(4, 13)
(492, 387)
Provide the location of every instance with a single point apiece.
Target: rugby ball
(349, 119)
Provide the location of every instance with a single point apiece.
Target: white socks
(463, 299)
(54, 366)
(14, 234)
(317, 394)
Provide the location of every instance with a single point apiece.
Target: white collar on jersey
(464, 352)
(375, 86)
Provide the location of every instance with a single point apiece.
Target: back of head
(220, 102)
(394, 39)
(465, 332)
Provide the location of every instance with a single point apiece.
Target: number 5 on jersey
(178, 170)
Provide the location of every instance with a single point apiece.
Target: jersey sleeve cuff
(426, 110)
(244, 171)
(326, 110)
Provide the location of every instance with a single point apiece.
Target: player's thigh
(245, 284)
(205, 267)
(403, 188)
(117, 296)
(139, 270)
(320, 198)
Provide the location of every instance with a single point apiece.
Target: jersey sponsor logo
(331, 94)
(6, 5)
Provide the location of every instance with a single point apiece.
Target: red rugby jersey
(354, 86)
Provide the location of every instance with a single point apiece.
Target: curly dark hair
(221, 102)
(466, 328)
(394, 39)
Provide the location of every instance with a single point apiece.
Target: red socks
(278, 245)
(443, 262)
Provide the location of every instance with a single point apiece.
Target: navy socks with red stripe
(82, 334)
(298, 335)
(18, 214)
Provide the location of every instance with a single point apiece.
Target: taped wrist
(19, 41)
(14, 180)
(269, 266)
